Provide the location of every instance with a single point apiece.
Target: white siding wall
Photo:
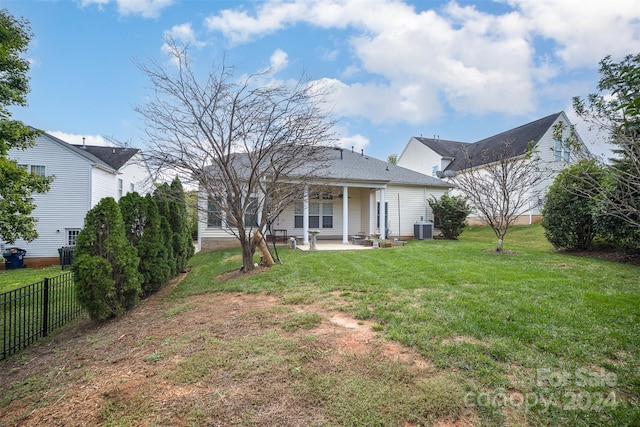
(413, 206)
(136, 173)
(420, 158)
(65, 205)
(103, 184)
(437, 193)
(545, 151)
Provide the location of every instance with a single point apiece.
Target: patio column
(372, 211)
(383, 216)
(345, 214)
(305, 216)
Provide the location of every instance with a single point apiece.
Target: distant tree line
(130, 249)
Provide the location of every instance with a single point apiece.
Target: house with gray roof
(445, 159)
(83, 175)
(349, 193)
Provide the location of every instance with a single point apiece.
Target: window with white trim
(39, 170)
(251, 214)
(320, 211)
(72, 236)
(119, 188)
(561, 151)
(214, 214)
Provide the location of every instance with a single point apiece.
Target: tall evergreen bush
(105, 263)
(172, 205)
(142, 224)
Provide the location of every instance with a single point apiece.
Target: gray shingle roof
(329, 164)
(83, 153)
(346, 165)
(487, 150)
(443, 147)
(115, 157)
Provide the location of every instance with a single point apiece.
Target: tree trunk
(247, 256)
(499, 248)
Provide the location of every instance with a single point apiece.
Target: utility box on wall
(423, 230)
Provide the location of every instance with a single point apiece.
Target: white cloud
(356, 142)
(412, 62)
(410, 103)
(77, 139)
(183, 33)
(584, 31)
(144, 8)
(279, 60)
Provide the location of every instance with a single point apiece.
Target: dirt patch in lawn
(213, 359)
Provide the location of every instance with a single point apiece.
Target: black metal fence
(32, 311)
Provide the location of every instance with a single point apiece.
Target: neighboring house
(345, 200)
(83, 175)
(445, 159)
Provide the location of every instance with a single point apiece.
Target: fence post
(45, 308)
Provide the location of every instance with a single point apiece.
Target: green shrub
(172, 206)
(95, 287)
(570, 206)
(142, 228)
(450, 214)
(105, 263)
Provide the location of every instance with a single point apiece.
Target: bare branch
(502, 188)
(238, 140)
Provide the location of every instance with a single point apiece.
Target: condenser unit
(423, 230)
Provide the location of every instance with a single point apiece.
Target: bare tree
(244, 141)
(500, 185)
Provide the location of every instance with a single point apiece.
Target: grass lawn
(12, 279)
(531, 338)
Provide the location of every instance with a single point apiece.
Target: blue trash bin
(13, 258)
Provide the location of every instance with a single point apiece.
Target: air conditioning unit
(423, 230)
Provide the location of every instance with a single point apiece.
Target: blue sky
(462, 70)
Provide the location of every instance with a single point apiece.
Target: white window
(214, 214)
(132, 188)
(561, 151)
(119, 188)
(320, 212)
(251, 214)
(72, 236)
(38, 170)
(434, 170)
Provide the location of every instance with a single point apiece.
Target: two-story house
(445, 159)
(83, 175)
